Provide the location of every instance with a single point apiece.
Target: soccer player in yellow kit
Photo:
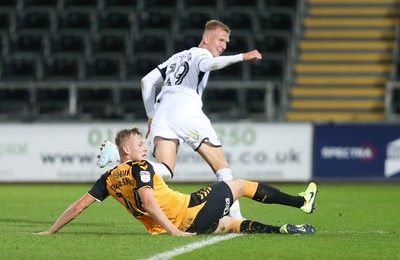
(136, 184)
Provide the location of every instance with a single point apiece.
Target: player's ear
(206, 39)
(126, 149)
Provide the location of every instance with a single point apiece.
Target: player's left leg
(227, 224)
(214, 156)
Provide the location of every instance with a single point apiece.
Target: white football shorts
(183, 119)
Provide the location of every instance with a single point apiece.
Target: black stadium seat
(103, 67)
(109, 43)
(76, 20)
(23, 67)
(62, 67)
(34, 20)
(155, 20)
(276, 21)
(271, 69)
(52, 101)
(68, 42)
(151, 44)
(33, 43)
(114, 20)
(271, 43)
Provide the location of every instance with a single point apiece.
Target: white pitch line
(191, 247)
(354, 232)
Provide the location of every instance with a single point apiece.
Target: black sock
(270, 195)
(254, 227)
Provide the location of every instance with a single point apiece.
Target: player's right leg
(165, 151)
(269, 195)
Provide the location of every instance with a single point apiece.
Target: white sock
(162, 170)
(225, 174)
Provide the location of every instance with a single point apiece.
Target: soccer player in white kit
(176, 116)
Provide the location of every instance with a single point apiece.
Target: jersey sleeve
(99, 189)
(143, 173)
(216, 63)
(149, 84)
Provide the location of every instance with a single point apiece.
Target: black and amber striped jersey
(123, 183)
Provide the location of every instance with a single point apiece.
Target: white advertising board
(67, 152)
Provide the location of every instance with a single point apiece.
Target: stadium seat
(14, 102)
(170, 5)
(5, 21)
(280, 3)
(95, 103)
(3, 46)
(201, 3)
(272, 43)
(63, 66)
(21, 67)
(33, 43)
(138, 67)
(80, 4)
(255, 99)
(74, 21)
(231, 72)
(103, 67)
(8, 3)
(52, 102)
(120, 4)
(155, 20)
(239, 21)
(151, 44)
(39, 3)
(115, 21)
(131, 103)
(187, 41)
(276, 21)
(267, 69)
(238, 44)
(34, 20)
(69, 42)
(220, 101)
(241, 4)
(194, 20)
(109, 43)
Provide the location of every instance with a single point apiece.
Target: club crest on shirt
(145, 176)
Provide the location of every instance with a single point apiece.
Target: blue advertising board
(357, 152)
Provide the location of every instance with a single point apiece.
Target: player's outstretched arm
(70, 214)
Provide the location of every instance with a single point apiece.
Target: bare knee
(224, 225)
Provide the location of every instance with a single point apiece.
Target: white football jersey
(182, 69)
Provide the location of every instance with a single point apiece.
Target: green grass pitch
(353, 221)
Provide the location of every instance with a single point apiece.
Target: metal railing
(270, 108)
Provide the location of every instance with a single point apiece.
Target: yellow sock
(250, 189)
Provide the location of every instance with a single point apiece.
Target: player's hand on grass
(43, 233)
(252, 55)
(179, 233)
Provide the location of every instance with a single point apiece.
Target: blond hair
(123, 134)
(215, 24)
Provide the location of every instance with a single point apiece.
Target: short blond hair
(215, 24)
(123, 134)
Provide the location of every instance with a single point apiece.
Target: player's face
(137, 148)
(216, 41)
